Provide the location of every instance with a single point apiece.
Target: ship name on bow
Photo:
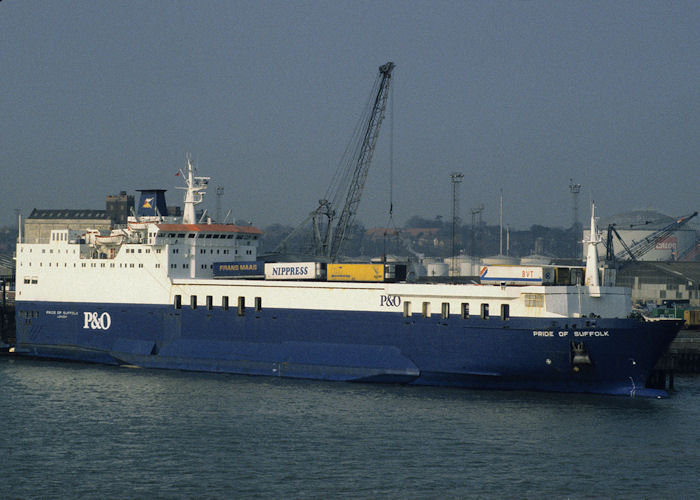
(566, 333)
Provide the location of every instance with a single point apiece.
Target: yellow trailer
(355, 272)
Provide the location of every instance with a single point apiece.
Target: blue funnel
(152, 203)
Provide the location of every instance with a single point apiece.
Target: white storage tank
(436, 268)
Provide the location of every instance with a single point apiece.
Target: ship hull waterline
(513, 354)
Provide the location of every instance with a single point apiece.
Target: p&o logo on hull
(390, 300)
(97, 321)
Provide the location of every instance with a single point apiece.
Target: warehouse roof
(53, 213)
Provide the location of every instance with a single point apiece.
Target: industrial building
(648, 235)
(40, 223)
(119, 207)
(662, 283)
(655, 256)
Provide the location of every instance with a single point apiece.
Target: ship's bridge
(193, 248)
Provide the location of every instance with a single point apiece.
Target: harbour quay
(683, 355)
(7, 313)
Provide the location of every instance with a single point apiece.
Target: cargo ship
(176, 293)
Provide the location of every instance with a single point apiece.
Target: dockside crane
(362, 160)
(641, 247)
(349, 179)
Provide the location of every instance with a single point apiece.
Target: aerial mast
(575, 190)
(455, 179)
(474, 211)
(219, 194)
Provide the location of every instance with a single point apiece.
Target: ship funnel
(152, 203)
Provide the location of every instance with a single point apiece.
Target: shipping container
(667, 312)
(573, 275)
(367, 272)
(517, 275)
(395, 272)
(295, 270)
(355, 272)
(692, 318)
(252, 269)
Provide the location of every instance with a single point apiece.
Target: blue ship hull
(517, 353)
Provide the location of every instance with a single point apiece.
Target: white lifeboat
(112, 240)
(138, 225)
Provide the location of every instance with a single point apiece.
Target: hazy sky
(103, 96)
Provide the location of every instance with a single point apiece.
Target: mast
(195, 189)
(592, 277)
(19, 226)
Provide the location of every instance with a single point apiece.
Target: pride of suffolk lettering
(561, 333)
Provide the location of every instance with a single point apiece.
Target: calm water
(77, 430)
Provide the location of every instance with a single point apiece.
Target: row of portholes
(225, 303)
(464, 310)
(425, 309)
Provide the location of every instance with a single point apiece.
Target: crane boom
(643, 246)
(364, 158)
(349, 179)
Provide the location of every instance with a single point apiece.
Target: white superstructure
(159, 260)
